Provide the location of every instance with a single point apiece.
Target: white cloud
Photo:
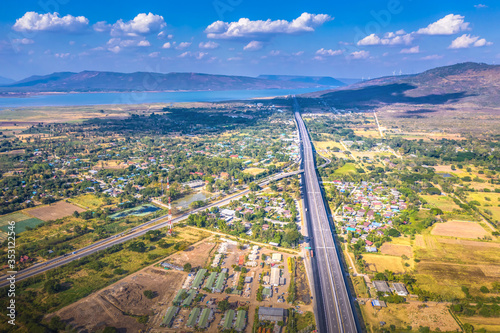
(167, 45)
(208, 45)
(325, 52)
(154, 54)
(117, 44)
(196, 55)
(275, 52)
(253, 46)
(298, 54)
(142, 24)
(62, 55)
(411, 50)
(101, 26)
(245, 28)
(200, 55)
(432, 57)
(163, 34)
(24, 41)
(448, 25)
(183, 45)
(234, 59)
(389, 38)
(480, 5)
(466, 41)
(115, 49)
(360, 54)
(32, 21)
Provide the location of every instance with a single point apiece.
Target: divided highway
(334, 307)
(127, 235)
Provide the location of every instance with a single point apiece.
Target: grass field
(368, 134)
(433, 315)
(89, 201)
(446, 264)
(54, 211)
(491, 204)
(346, 169)
(22, 221)
(380, 263)
(489, 324)
(22, 225)
(459, 229)
(322, 145)
(254, 171)
(16, 217)
(445, 203)
(396, 250)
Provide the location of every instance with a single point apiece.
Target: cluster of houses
(371, 209)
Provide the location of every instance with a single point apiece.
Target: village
(239, 286)
(371, 208)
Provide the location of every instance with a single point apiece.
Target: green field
(22, 221)
(347, 168)
(491, 205)
(89, 201)
(442, 202)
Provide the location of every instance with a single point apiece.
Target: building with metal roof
(272, 314)
(205, 318)
(181, 294)
(193, 317)
(381, 286)
(219, 284)
(277, 257)
(199, 278)
(228, 319)
(241, 320)
(210, 280)
(400, 289)
(189, 299)
(170, 315)
(275, 276)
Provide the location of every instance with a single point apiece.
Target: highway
(334, 306)
(132, 233)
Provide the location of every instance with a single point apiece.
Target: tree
(468, 328)
(254, 187)
(149, 294)
(110, 329)
(187, 267)
(223, 305)
(52, 286)
(484, 290)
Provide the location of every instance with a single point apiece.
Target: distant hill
(322, 80)
(5, 80)
(94, 81)
(470, 82)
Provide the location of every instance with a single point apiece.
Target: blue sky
(243, 37)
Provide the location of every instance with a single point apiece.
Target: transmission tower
(169, 208)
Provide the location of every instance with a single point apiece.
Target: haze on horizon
(237, 37)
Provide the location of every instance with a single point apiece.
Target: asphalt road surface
(132, 233)
(333, 302)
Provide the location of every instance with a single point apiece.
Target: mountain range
(469, 82)
(95, 81)
(322, 80)
(4, 80)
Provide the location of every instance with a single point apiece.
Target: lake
(145, 97)
(185, 201)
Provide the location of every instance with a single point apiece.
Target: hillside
(94, 81)
(4, 80)
(322, 80)
(474, 83)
